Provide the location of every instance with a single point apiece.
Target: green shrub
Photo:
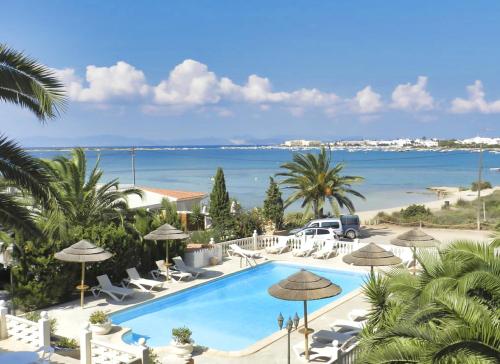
(98, 317)
(66, 343)
(202, 236)
(35, 316)
(414, 212)
(182, 335)
(296, 219)
(152, 357)
(246, 222)
(484, 185)
(462, 203)
(273, 205)
(196, 219)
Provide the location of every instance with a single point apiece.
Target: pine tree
(220, 206)
(273, 205)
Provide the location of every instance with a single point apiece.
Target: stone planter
(181, 350)
(101, 329)
(213, 261)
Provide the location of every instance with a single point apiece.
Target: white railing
(99, 352)
(35, 334)
(245, 243)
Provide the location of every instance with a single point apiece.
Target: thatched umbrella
(83, 252)
(415, 238)
(166, 232)
(371, 255)
(304, 286)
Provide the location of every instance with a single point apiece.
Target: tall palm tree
(81, 199)
(314, 180)
(31, 85)
(450, 313)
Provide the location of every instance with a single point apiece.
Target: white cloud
(189, 83)
(120, 81)
(410, 97)
(367, 101)
(476, 101)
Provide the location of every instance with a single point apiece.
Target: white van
(346, 225)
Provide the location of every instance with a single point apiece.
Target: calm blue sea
(391, 178)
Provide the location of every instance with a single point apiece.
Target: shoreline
(451, 194)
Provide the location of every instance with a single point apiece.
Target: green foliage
(98, 317)
(196, 218)
(415, 212)
(314, 180)
(152, 357)
(35, 317)
(80, 199)
(483, 185)
(448, 313)
(167, 215)
(202, 236)
(220, 205)
(296, 219)
(273, 205)
(66, 343)
(246, 222)
(182, 335)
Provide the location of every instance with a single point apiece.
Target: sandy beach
(451, 194)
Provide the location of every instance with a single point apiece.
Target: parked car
(319, 235)
(346, 225)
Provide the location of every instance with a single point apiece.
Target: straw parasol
(83, 252)
(371, 255)
(304, 286)
(166, 232)
(415, 238)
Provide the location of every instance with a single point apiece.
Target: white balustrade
(35, 334)
(99, 352)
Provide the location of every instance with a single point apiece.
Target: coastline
(451, 194)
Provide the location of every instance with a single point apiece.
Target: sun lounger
(358, 314)
(236, 250)
(328, 250)
(305, 250)
(327, 336)
(182, 267)
(330, 352)
(280, 247)
(176, 274)
(135, 279)
(115, 292)
(346, 325)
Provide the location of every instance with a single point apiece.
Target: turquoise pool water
(228, 314)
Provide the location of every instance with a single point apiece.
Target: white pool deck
(71, 318)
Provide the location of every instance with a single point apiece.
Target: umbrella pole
(82, 291)
(371, 269)
(166, 259)
(306, 332)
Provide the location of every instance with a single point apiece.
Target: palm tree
(80, 199)
(450, 313)
(314, 181)
(27, 83)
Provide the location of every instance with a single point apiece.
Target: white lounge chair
(358, 314)
(135, 279)
(162, 271)
(115, 292)
(182, 267)
(328, 250)
(346, 325)
(248, 255)
(327, 336)
(45, 353)
(305, 250)
(280, 247)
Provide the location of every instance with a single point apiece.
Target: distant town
(399, 144)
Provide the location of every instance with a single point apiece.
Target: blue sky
(248, 71)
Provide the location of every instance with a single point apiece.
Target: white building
(185, 201)
(302, 143)
(481, 140)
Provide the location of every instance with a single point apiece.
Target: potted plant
(182, 342)
(100, 324)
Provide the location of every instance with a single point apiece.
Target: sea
(391, 178)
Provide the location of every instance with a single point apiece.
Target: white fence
(35, 334)
(201, 258)
(258, 242)
(102, 352)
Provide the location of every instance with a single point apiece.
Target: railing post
(3, 320)
(44, 329)
(255, 238)
(85, 345)
(142, 350)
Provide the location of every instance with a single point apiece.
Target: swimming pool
(227, 314)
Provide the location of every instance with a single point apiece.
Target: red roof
(179, 195)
